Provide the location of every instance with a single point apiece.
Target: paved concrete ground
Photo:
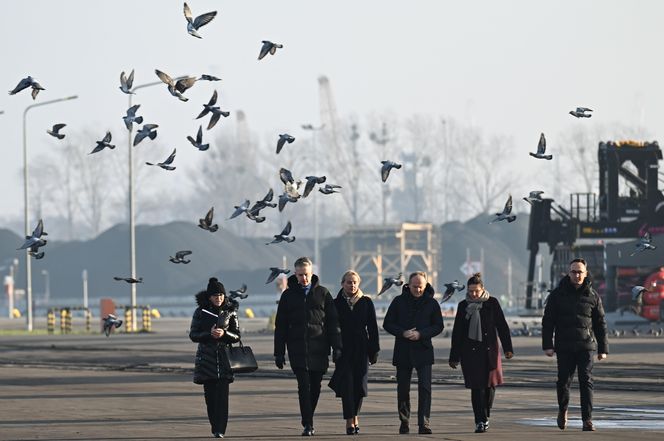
(138, 387)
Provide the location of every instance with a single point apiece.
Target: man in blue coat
(414, 318)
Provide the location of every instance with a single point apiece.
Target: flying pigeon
(34, 252)
(180, 257)
(637, 292)
(176, 88)
(198, 142)
(385, 169)
(580, 112)
(253, 214)
(104, 143)
(131, 117)
(311, 183)
(193, 24)
(215, 110)
(239, 209)
(147, 131)
(329, 189)
(266, 201)
(283, 236)
(283, 139)
(129, 279)
(389, 281)
(206, 223)
(541, 149)
(126, 83)
(110, 322)
(274, 272)
(268, 47)
(166, 165)
(450, 289)
(207, 77)
(534, 196)
(35, 241)
(284, 199)
(505, 215)
(286, 176)
(24, 84)
(239, 293)
(55, 131)
(644, 244)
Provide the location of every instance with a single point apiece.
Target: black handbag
(241, 359)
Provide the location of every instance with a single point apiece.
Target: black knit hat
(215, 287)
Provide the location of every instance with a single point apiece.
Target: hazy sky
(512, 68)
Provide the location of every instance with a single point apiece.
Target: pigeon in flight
(55, 131)
(450, 289)
(147, 131)
(129, 279)
(239, 293)
(541, 150)
(126, 83)
(253, 214)
(385, 169)
(180, 257)
(24, 84)
(239, 209)
(198, 142)
(131, 117)
(534, 196)
(35, 241)
(283, 236)
(266, 201)
(176, 88)
(388, 282)
(268, 48)
(311, 183)
(286, 176)
(644, 244)
(284, 199)
(580, 112)
(193, 24)
(283, 139)
(274, 273)
(34, 252)
(104, 143)
(206, 223)
(207, 77)
(215, 110)
(166, 165)
(329, 189)
(110, 322)
(505, 215)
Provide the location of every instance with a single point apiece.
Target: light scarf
(352, 300)
(473, 314)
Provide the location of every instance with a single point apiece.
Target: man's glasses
(577, 272)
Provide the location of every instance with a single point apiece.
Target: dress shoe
(357, 430)
(588, 426)
(424, 430)
(479, 428)
(562, 419)
(308, 431)
(218, 435)
(350, 430)
(404, 428)
(486, 426)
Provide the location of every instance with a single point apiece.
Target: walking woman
(478, 325)
(214, 325)
(359, 335)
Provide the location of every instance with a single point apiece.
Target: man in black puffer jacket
(414, 317)
(574, 313)
(306, 324)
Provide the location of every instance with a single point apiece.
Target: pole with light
(315, 156)
(28, 263)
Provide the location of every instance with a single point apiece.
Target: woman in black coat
(359, 338)
(478, 325)
(214, 326)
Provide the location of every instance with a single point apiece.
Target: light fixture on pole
(28, 266)
(314, 148)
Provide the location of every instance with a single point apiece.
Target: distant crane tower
(328, 113)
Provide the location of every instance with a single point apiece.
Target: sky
(510, 68)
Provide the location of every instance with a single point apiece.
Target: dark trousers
(568, 362)
(404, 374)
(216, 400)
(482, 400)
(308, 391)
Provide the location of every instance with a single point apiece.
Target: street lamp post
(28, 266)
(313, 130)
(382, 141)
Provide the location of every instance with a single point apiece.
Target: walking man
(574, 318)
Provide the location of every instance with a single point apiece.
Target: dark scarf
(473, 314)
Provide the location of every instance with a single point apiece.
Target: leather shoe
(350, 430)
(308, 431)
(479, 428)
(404, 429)
(357, 430)
(562, 419)
(588, 426)
(218, 435)
(424, 430)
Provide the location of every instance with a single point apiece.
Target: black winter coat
(478, 358)
(306, 326)
(576, 317)
(407, 312)
(211, 363)
(359, 339)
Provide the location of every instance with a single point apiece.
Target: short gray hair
(303, 261)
